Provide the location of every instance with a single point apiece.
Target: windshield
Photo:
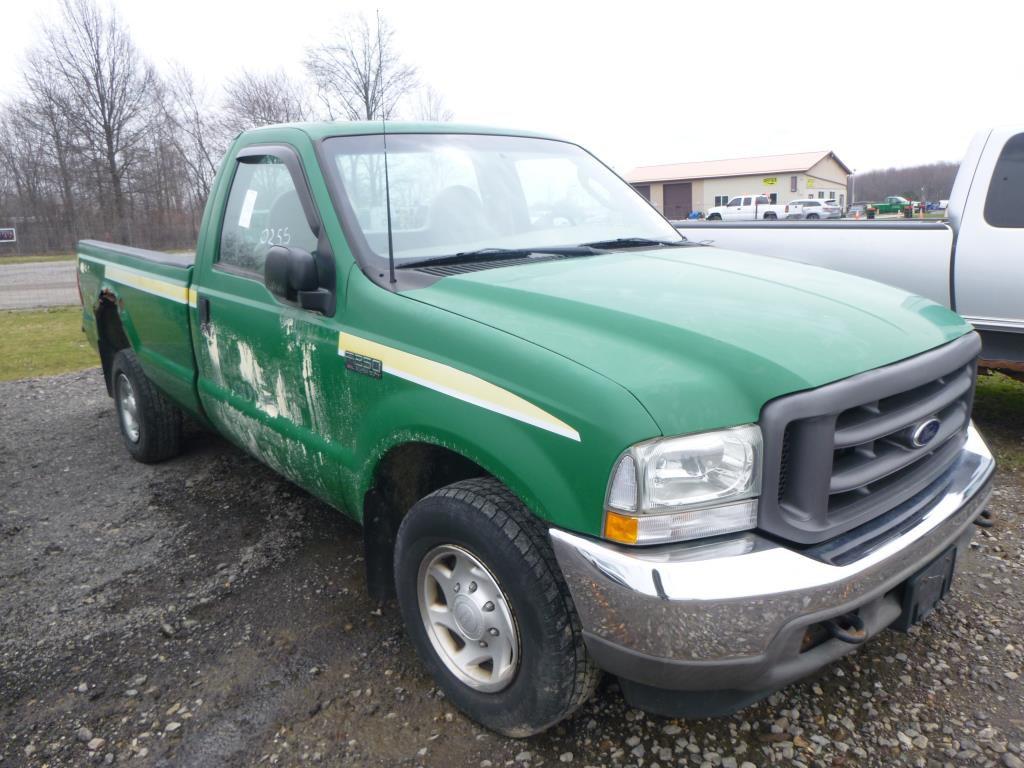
(454, 193)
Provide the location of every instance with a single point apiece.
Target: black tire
(555, 674)
(715, 217)
(812, 217)
(770, 217)
(157, 418)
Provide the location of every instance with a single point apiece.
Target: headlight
(680, 488)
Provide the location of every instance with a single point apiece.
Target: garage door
(678, 201)
(643, 189)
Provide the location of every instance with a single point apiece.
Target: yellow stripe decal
(454, 383)
(193, 297)
(133, 278)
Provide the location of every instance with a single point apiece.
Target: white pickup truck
(973, 262)
(748, 208)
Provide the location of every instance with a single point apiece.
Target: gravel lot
(205, 612)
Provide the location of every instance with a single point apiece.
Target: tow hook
(849, 628)
(984, 520)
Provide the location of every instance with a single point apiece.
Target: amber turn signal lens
(622, 528)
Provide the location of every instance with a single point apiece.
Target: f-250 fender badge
(368, 366)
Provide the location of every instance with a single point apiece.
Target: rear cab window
(1004, 204)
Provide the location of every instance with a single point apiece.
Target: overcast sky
(880, 83)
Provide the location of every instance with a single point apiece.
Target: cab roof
(326, 129)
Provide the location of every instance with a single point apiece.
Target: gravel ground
(38, 284)
(205, 612)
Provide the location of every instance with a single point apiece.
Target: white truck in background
(748, 208)
(972, 262)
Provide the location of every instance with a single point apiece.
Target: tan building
(679, 188)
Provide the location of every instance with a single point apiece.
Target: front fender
(552, 440)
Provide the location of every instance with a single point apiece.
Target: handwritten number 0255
(279, 236)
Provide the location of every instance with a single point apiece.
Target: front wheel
(488, 611)
(715, 217)
(812, 217)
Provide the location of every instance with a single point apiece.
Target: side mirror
(289, 271)
(295, 275)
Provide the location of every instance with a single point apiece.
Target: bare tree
(358, 75)
(42, 112)
(199, 136)
(430, 105)
(96, 144)
(254, 99)
(103, 86)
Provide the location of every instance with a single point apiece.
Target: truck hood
(702, 337)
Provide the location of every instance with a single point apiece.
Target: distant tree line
(935, 178)
(99, 143)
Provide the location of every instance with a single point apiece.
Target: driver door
(259, 357)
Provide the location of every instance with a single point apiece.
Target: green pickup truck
(575, 440)
(895, 204)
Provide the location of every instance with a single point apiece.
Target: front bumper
(730, 614)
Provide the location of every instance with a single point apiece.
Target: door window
(734, 202)
(263, 210)
(1004, 204)
(746, 201)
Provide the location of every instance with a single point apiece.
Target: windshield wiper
(499, 254)
(634, 242)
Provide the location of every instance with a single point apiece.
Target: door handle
(204, 313)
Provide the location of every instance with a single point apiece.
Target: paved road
(41, 284)
(205, 612)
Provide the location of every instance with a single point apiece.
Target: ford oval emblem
(925, 432)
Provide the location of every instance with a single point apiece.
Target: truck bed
(150, 293)
(924, 248)
(179, 259)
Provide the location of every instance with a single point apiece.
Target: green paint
(621, 347)
(703, 337)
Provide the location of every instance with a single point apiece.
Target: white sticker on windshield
(245, 217)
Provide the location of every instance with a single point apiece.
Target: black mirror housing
(290, 272)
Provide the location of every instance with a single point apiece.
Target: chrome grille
(842, 454)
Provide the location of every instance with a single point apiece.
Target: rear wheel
(770, 217)
(150, 423)
(488, 611)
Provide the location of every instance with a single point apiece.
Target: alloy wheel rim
(129, 408)
(467, 618)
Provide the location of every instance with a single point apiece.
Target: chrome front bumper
(732, 613)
